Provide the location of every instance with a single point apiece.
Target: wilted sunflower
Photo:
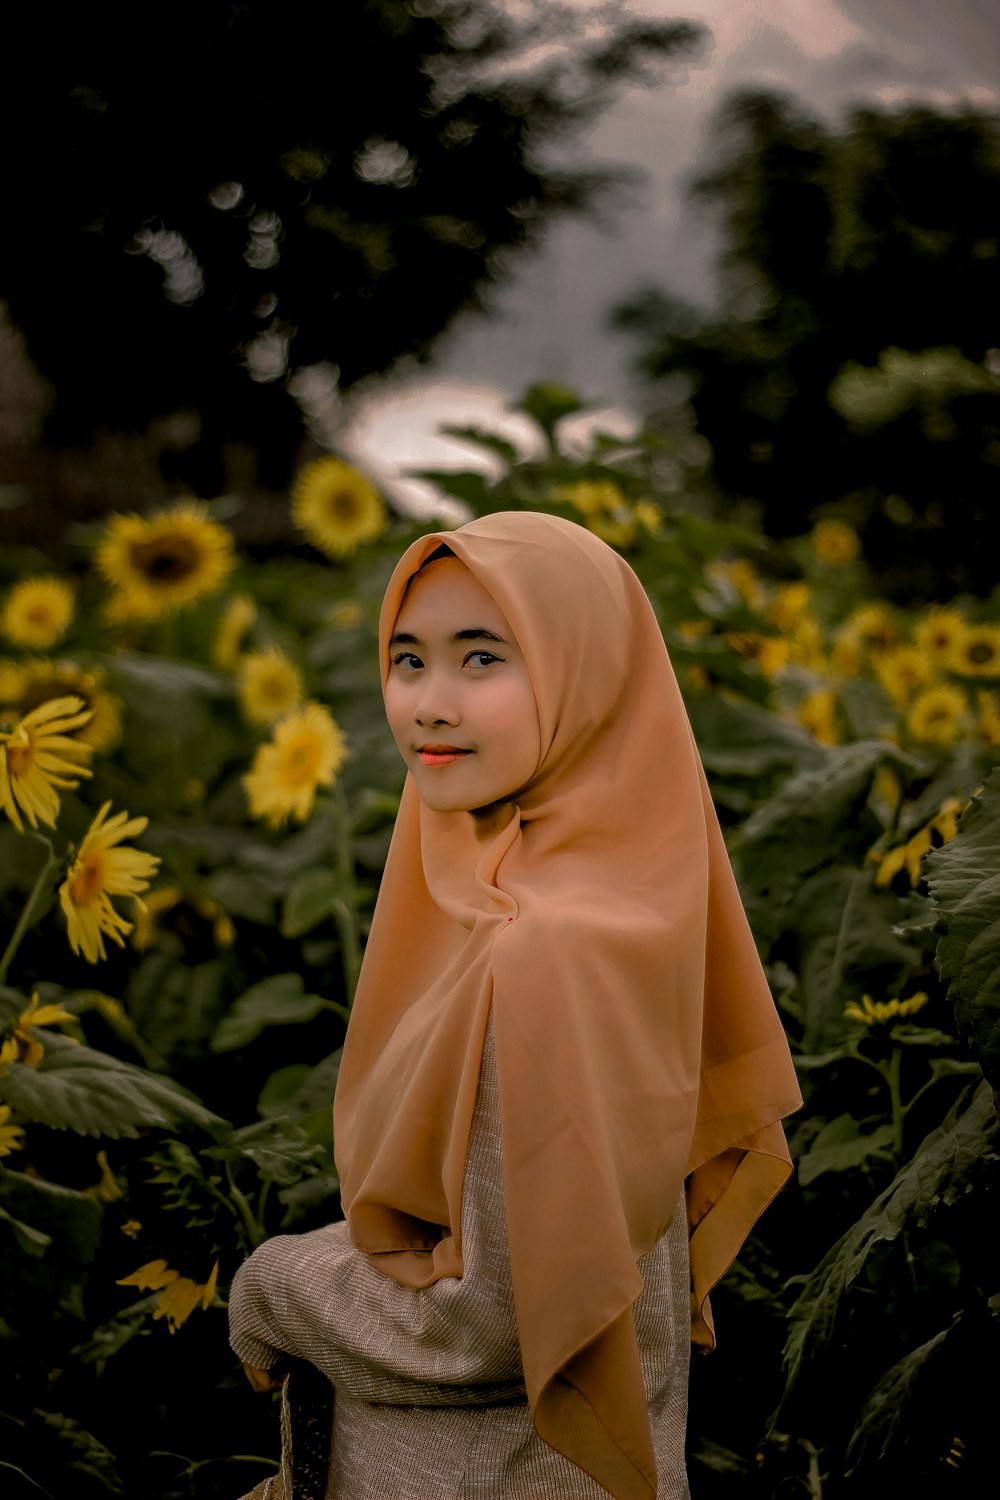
(976, 651)
(337, 507)
(306, 752)
(37, 612)
(179, 1295)
(33, 761)
(236, 620)
(935, 715)
(40, 681)
(99, 872)
(161, 563)
(269, 685)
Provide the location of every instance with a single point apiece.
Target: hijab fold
(638, 1048)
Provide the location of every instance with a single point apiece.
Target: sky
(549, 323)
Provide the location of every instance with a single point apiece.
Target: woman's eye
(477, 658)
(408, 661)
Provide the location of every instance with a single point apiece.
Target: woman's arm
(316, 1297)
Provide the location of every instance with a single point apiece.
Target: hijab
(638, 1048)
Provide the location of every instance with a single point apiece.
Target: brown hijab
(637, 1042)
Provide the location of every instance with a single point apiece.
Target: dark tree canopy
(849, 362)
(205, 197)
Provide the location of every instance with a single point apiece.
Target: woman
(558, 1113)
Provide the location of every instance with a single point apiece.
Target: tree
(848, 367)
(204, 200)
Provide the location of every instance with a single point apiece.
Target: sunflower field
(197, 790)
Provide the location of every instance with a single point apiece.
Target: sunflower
(872, 626)
(938, 632)
(33, 761)
(344, 615)
(818, 713)
(11, 1136)
(770, 652)
(269, 686)
(99, 872)
(935, 715)
(306, 752)
(880, 1012)
(43, 680)
(806, 644)
(988, 722)
(617, 531)
(834, 543)
(901, 670)
(179, 1295)
(976, 652)
(236, 620)
(336, 507)
(648, 515)
(161, 563)
(23, 1045)
(592, 497)
(37, 612)
(789, 603)
(743, 577)
(159, 903)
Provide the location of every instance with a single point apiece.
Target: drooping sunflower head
(337, 507)
(269, 685)
(976, 651)
(159, 564)
(37, 612)
(42, 680)
(306, 752)
(101, 870)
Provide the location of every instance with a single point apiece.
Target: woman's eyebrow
(472, 633)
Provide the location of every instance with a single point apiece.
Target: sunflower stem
(345, 907)
(24, 920)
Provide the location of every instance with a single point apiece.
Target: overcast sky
(549, 322)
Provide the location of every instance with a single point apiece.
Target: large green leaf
(841, 1147)
(815, 819)
(964, 880)
(736, 736)
(954, 1160)
(276, 1001)
(78, 1088)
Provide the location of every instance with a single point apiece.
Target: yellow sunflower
(11, 1136)
(818, 713)
(159, 564)
(617, 531)
(988, 722)
(976, 651)
(344, 615)
(789, 603)
(99, 872)
(43, 680)
(592, 497)
(648, 515)
(37, 612)
(935, 716)
(770, 652)
(901, 670)
(306, 752)
(834, 543)
(269, 686)
(872, 626)
(337, 507)
(880, 1012)
(743, 577)
(33, 761)
(158, 904)
(23, 1045)
(179, 1295)
(805, 644)
(938, 632)
(236, 620)
(940, 830)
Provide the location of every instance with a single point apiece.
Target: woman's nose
(436, 705)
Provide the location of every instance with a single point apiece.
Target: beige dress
(428, 1396)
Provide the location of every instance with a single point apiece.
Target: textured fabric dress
(423, 1387)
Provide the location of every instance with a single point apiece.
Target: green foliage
(167, 1122)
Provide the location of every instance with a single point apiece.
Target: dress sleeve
(316, 1297)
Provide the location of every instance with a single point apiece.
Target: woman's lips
(441, 757)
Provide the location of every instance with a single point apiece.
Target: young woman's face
(458, 698)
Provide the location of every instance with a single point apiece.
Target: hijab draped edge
(639, 1052)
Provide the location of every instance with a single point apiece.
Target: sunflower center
(165, 559)
(39, 613)
(301, 761)
(981, 652)
(87, 879)
(343, 505)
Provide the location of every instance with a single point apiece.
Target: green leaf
(950, 1163)
(885, 1424)
(79, 1451)
(813, 820)
(78, 1088)
(480, 438)
(311, 900)
(467, 485)
(242, 895)
(743, 738)
(841, 1147)
(30, 1240)
(964, 880)
(276, 1001)
(300, 1088)
(278, 1149)
(66, 1215)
